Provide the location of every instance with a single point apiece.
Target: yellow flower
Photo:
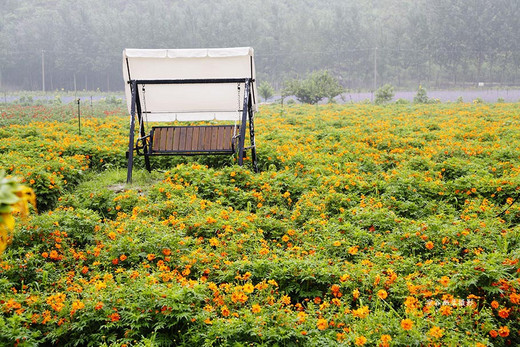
(256, 308)
(436, 332)
(322, 324)
(407, 324)
(360, 341)
(382, 294)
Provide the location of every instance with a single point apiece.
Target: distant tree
(319, 85)
(266, 90)
(384, 94)
(421, 97)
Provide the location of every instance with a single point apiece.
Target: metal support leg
(131, 136)
(245, 110)
(252, 138)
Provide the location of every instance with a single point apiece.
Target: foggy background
(365, 43)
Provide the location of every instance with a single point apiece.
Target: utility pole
(375, 68)
(43, 70)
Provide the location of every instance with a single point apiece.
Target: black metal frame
(247, 115)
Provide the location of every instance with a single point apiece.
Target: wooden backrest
(189, 139)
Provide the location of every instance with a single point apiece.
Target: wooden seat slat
(192, 139)
(169, 138)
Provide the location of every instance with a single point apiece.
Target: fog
(72, 45)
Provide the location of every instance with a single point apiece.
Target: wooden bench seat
(185, 140)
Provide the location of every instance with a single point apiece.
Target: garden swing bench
(168, 85)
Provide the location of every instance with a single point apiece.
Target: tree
(265, 90)
(384, 94)
(421, 97)
(319, 85)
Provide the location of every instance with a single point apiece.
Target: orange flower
(360, 341)
(385, 340)
(225, 311)
(99, 306)
(353, 250)
(286, 300)
(322, 324)
(122, 257)
(256, 308)
(445, 280)
(150, 257)
(493, 333)
(114, 317)
(54, 255)
(445, 310)
(504, 312)
(166, 251)
(355, 293)
(361, 312)
(248, 288)
(494, 304)
(407, 324)
(514, 298)
(436, 332)
(382, 294)
(503, 331)
(429, 245)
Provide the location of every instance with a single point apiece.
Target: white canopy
(189, 102)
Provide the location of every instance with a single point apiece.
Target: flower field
(367, 225)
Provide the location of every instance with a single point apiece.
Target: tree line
(364, 43)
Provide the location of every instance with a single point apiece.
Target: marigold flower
(166, 251)
(248, 288)
(225, 311)
(150, 257)
(322, 324)
(493, 333)
(99, 306)
(256, 308)
(361, 312)
(429, 245)
(436, 332)
(503, 331)
(385, 340)
(504, 312)
(285, 299)
(445, 310)
(360, 341)
(382, 294)
(445, 280)
(407, 324)
(114, 317)
(353, 250)
(355, 293)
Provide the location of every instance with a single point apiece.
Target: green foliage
(410, 216)
(317, 86)
(265, 90)
(384, 94)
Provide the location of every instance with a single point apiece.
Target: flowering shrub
(368, 225)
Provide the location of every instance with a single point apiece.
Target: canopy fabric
(189, 102)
